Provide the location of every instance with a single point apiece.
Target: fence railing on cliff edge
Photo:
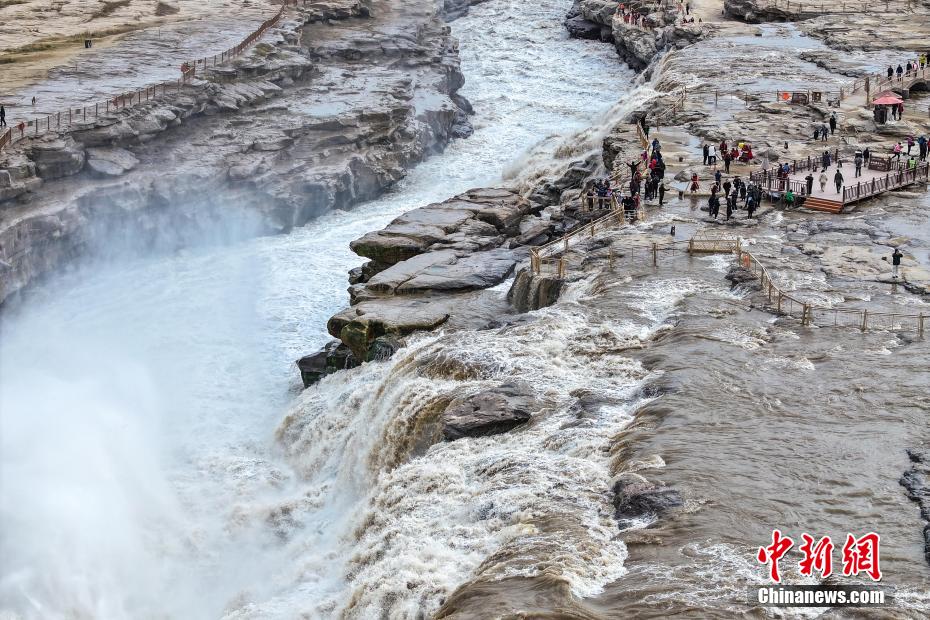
(783, 302)
(800, 9)
(63, 121)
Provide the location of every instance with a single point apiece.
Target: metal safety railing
(800, 9)
(64, 120)
(863, 319)
(543, 255)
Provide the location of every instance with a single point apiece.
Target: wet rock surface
(916, 481)
(637, 500)
(489, 412)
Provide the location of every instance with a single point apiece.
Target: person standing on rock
(810, 183)
(2, 116)
(823, 132)
(750, 205)
(726, 187)
(895, 262)
(838, 181)
(858, 162)
(717, 177)
(823, 181)
(706, 154)
(695, 186)
(661, 190)
(727, 158)
(832, 123)
(922, 147)
(712, 156)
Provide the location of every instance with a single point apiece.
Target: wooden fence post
(865, 320)
(655, 254)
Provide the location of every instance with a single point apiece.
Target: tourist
(895, 262)
(890, 72)
(866, 154)
(922, 147)
(910, 144)
(858, 162)
(825, 160)
(726, 188)
(900, 111)
(687, 8)
(729, 209)
(832, 123)
(723, 146)
(899, 71)
(823, 132)
(2, 116)
(727, 158)
(823, 181)
(661, 189)
(717, 177)
(706, 150)
(713, 205)
(809, 179)
(838, 181)
(907, 69)
(695, 186)
(789, 198)
(896, 151)
(742, 190)
(33, 100)
(712, 155)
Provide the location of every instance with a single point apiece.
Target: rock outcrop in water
(489, 412)
(917, 482)
(425, 265)
(330, 108)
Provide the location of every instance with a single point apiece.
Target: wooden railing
(800, 9)
(787, 304)
(543, 255)
(893, 180)
(879, 82)
(63, 121)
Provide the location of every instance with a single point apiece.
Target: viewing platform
(878, 176)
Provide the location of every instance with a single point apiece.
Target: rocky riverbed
(618, 439)
(419, 264)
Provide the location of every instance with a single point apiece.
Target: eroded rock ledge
(330, 109)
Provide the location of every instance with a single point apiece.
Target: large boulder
(475, 271)
(110, 162)
(331, 358)
(636, 499)
(359, 326)
(57, 157)
(489, 412)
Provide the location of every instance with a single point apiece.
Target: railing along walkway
(863, 319)
(79, 117)
(872, 85)
(783, 302)
(801, 9)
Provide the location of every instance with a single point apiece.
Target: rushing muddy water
(141, 473)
